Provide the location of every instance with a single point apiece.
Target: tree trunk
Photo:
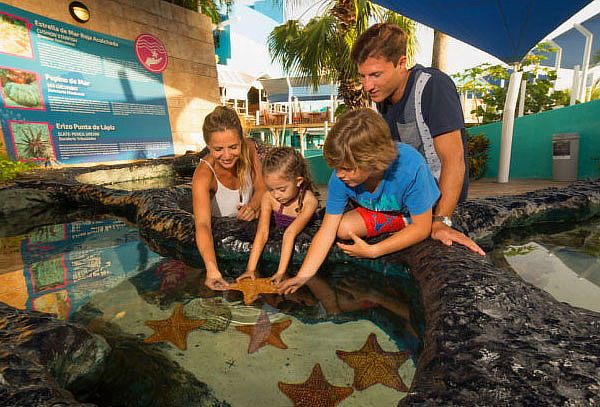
(440, 48)
(351, 91)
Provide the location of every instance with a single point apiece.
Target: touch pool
(99, 274)
(490, 338)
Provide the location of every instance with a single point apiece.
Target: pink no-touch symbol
(151, 53)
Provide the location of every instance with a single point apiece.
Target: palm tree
(320, 50)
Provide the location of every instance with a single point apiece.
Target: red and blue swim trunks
(381, 222)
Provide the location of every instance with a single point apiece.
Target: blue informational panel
(73, 95)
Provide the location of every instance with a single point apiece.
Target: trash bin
(565, 153)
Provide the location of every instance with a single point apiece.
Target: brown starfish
(316, 391)
(265, 333)
(373, 365)
(174, 329)
(252, 288)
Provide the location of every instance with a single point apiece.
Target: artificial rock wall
(190, 79)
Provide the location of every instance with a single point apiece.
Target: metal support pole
(508, 119)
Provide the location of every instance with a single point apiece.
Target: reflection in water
(56, 268)
(565, 264)
(99, 274)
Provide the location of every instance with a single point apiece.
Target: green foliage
(210, 8)
(478, 146)
(320, 49)
(538, 92)
(10, 169)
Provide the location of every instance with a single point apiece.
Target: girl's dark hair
(290, 164)
(225, 118)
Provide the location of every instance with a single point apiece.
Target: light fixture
(79, 11)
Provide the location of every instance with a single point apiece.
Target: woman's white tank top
(225, 201)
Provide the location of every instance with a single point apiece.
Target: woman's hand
(216, 282)
(246, 212)
(251, 274)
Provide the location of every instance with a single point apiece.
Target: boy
(385, 179)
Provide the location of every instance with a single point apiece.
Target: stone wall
(190, 79)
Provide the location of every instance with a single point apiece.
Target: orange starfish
(316, 391)
(252, 288)
(264, 332)
(174, 329)
(372, 365)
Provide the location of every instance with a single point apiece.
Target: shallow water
(99, 273)
(564, 263)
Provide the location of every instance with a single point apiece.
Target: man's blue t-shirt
(407, 187)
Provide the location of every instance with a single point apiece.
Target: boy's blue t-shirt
(407, 187)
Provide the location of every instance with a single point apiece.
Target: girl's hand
(246, 212)
(216, 282)
(277, 278)
(248, 274)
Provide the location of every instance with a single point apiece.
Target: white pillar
(558, 59)
(587, 53)
(522, 99)
(508, 118)
(575, 85)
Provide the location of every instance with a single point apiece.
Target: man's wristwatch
(444, 219)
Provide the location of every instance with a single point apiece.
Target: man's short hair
(360, 138)
(385, 40)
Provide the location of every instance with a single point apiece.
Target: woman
(227, 182)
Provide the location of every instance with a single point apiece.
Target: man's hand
(246, 212)
(216, 282)
(360, 248)
(447, 235)
(291, 285)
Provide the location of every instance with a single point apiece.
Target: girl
(291, 202)
(227, 182)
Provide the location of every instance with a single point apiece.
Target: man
(422, 108)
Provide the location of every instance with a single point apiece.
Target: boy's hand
(277, 278)
(246, 212)
(360, 248)
(291, 285)
(447, 235)
(248, 274)
(216, 282)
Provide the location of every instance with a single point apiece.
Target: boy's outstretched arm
(260, 239)
(289, 236)
(319, 247)
(418, 230)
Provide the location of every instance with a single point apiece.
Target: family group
(401, 170)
